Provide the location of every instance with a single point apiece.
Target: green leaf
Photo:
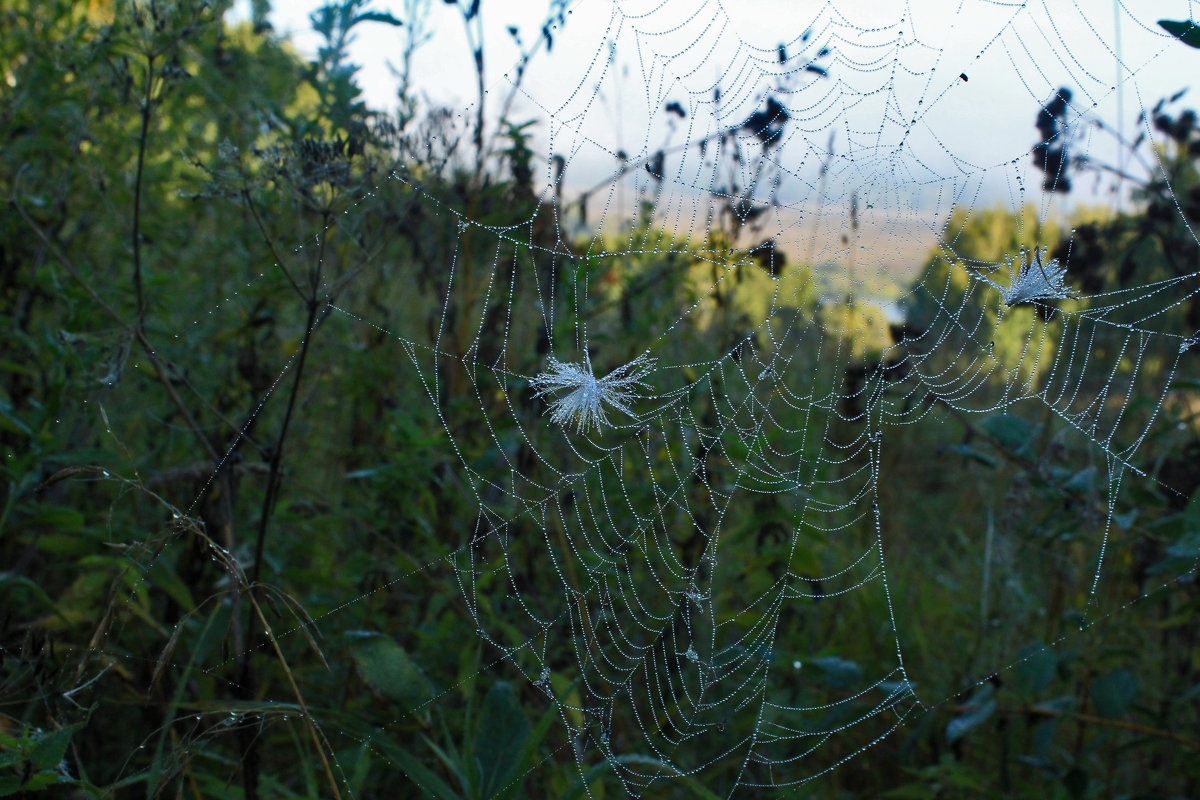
(11, 755)
(1181, 555)
(12, 366)
(362, 768)
(1058, 705)
(1035, 668)
(388, 669)
(500, 737)
(1184, 383)
(1191, 514)
(458, 766)
(1076, 781)
(838, 672)
(911, 791)
(530, 748)
(39, 781)
(429, 781)
(1185, 31)
(966, 451)
(1189, 695)
(1125, 521)
(62, 519)
(169, 581)
(9, 785)
(697, 789)
(981, 706)
(1113, 693)
(12, 423)
(377, 16)
(1082, 481)
(1011, 432)
(359, 474)
(50, 748)
(9, 579)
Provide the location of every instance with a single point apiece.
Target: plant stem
(1093, 719)
(270, 242)
(273, 479)
(245, 673)
(137, 193)
(156, 362)
(308, 722)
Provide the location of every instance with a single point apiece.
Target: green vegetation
(223, 577)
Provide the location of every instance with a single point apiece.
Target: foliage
(1185, 31)
(183, 524)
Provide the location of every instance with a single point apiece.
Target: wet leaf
(981, 706)
(388, 669)
(1035, 668)
(646, 764)
(967, 451)
(1113, 693)
(1011, 432)
(838, 672)
(1185, 31)
(1076, 781)
(377, 16)
(49, 749)
(503, 729)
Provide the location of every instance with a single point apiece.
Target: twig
(139, 334)
(70, 693)
(270, 243)
(1107, 722)
(264, 520)
(273, 480)
(137, 192)
(1100, 166)
(522, 65)
(317, 738)
(247, 590)
(201, 471)
(628, 166)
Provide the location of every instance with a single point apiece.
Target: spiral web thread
(673, 665)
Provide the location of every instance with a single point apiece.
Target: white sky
(891, 63)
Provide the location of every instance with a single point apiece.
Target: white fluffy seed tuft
(1033, 281)
(586, 395)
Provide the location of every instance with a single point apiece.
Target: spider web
(789, 173)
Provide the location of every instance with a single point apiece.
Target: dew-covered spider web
(769, 201)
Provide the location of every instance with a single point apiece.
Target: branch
(137, 193)
(273, 478)
(630, 166)
(1087, 162)
(318, 740)
(1107, 722)
(227, 559)
(138, 333)
(270, 242)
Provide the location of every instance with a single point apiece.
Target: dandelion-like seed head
(1033, 280)
(1036, 280)
(586, 395)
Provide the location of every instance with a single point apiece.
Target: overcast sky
(929, 104)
